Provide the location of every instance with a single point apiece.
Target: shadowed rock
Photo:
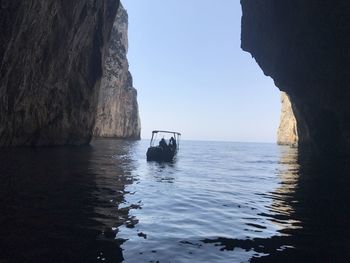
(305, 47)
(51, 55)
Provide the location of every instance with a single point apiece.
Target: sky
(192, 76)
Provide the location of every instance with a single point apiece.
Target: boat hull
(160, 154)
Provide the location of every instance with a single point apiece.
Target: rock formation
(287, 132)
(51, 58)
(117, 112)
(305, 47)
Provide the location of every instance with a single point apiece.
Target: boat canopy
(176, 135)
(156, 131)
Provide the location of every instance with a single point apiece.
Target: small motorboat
(164, 151)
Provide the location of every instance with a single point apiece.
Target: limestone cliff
(117, 112)
(51, 58)
(305, 47)
(287, 132)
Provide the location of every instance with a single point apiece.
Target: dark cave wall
(51, 57)
(305, 47)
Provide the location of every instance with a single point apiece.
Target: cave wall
(287, 133)
(305, 47)
(117, 111)
(51, 55)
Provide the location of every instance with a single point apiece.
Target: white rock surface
(117, 112)
(287, 132)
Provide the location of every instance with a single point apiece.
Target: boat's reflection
(163, 172)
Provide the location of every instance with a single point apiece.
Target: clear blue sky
(193, 77)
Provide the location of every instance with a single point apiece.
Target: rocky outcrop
(287, 132)
(51, 58)
(305, 47)
(117, 112)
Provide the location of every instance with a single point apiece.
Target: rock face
(287, 132)
(117, 112)
(51, 55)
(305, 47)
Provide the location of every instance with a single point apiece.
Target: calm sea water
(217, 202)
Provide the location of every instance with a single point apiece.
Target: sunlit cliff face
(305, 47)
(117, 111)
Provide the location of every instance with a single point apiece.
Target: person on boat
(172, 143)
(163, 144)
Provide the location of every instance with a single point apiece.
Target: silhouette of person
(163, 143)
(172, 143)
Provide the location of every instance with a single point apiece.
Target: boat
(164, 151)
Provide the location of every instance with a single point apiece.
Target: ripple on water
(217, 202)
(211, 205)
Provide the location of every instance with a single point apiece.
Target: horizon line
(220, 140)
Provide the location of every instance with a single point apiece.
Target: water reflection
(280, 212)
(229, 207)
(311, 209)
(315, 202)
(162, 172)
(62, 204)
(234, 203)
(271, 205)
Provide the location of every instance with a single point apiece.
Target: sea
(216, 202)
